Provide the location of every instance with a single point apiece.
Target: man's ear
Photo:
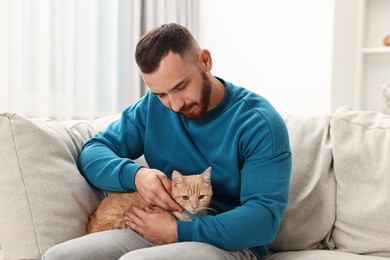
(205, 59)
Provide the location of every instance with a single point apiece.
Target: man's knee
(55, 253)
(184, 250)
(65, 251)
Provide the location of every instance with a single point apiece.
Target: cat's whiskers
(210, 209)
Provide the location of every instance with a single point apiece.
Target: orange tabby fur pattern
(193, 193)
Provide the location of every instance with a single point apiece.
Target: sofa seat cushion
(43, 198)
(319, 255)
(361, 150)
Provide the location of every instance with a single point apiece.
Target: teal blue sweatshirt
(243, 139)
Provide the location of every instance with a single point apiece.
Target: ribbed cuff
(128, 176)
(185, 231)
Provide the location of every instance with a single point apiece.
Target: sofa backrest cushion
(310, 213)
(43, 198)
(361, 150)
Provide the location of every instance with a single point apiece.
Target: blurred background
(70, 59)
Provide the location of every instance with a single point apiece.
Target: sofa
(339, 202)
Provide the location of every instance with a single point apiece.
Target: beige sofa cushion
(319, 255)
(310, 213)
(43, 198)
(361, 148)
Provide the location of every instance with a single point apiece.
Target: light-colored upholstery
(43, 198)
(312, 194)
(339, 206)
(320, 255)
(340, 187)
(361, 151)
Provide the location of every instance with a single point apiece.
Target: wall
(361, 61)
(344, 56)
(280, 49)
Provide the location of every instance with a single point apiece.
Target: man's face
(181, 86)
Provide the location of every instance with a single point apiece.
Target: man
(188, 121)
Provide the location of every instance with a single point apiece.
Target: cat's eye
(185, 197)
(201, 197)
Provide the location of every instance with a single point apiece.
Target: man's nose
(176, 103)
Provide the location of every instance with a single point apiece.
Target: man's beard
(204, 99)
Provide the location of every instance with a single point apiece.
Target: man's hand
(155, 224)
(155, 187)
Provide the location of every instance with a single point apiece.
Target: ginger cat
(193, 193)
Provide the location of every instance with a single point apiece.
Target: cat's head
(192, 192)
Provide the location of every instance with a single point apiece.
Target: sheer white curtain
(68, 59)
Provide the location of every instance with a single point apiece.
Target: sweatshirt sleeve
(257, 220)
(104, 160)
(264, 188)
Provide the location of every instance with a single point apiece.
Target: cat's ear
(177, 178)
(207, 175)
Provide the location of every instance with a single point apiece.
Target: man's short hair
(157, 43)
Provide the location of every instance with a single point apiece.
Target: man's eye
(181, 87)
(162, 95)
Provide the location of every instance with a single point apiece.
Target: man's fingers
(162, 201)
(134, 215)
(153, 209)
(155, 187)
(153, 223)
(165, 182)
(139, 213)
(171, 204)
(166, 202)
(161, 198)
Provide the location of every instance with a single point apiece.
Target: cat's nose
(194, 207)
